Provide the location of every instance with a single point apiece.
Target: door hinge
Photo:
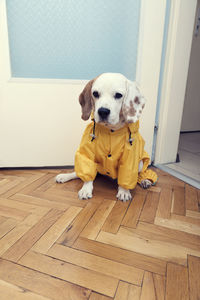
(156, 128)
(197, 27)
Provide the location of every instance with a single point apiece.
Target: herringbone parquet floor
(54, 246)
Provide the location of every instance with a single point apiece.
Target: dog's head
(113, 98)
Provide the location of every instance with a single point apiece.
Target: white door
(40, 121)
(175, 73)
(191, 110)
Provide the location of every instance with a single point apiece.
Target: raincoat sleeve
(147, 173)
(128, 175)
(85, 166)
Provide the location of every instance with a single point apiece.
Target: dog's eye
(118, 96)
(95, 94)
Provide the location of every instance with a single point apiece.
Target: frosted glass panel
(73, 39)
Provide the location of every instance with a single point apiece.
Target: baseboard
(195, 131)
(36, 168)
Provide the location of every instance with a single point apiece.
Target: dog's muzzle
(103, 113)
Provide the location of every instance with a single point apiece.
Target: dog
(111, 144)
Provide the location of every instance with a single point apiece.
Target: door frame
(17, 94)
(175, 74)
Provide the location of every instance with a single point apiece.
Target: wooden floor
(54, 246)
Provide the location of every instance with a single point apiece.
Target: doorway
(188, 155)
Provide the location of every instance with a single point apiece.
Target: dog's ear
(133, 103)
(85, 100)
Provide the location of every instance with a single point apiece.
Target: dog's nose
(103, 112)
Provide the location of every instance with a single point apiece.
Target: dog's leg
(61, 178)
(123, 194)
(145, 184)
(86, 190)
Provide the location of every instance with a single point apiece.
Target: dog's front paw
(123, 194)
(145, 184)
(86, 191)
(61, 178)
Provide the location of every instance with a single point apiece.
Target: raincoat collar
(132, 127)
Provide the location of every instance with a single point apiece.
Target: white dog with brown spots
(116, 104)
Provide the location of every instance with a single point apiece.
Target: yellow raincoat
(113, 153)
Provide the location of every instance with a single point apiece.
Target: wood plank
(174, 236)
(26, 207)
(15, 252)
(4, 181)
(29, 180)
(23, 172)
(127, 291)
(7, 226)
(54, 232)
(95, 296)
(2, 219)
(93, 227)
(69, 198)
(165, 202)
(102, 265)
(148, 289)
(10, 291)
(36, 184)
(193, 214)
(133, 213)
(39, 283)
(159, 285)
(134, 292)
(16, 233)
(167, 180)
(122, 291)
(194, 276)
(181, 223)
(73, 230)
(48, 184)
(14, 213)
(177, 282)
(179, 201)
(153, 247)
(115, 217)
(90, 279)
(191, 199)
(9, 185)
(150, 206)
(198, 196)
(39, 202)
(121, 255)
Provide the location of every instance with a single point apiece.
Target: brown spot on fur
(129, 111)
(143, 106)
(121, 116)
(137, 100)
(132, 110)
(140, 111)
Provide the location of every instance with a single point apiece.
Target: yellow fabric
(110, 153)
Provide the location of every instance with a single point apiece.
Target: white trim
(174, 79)
(5, 69)
(149, 60)
(140, 41)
